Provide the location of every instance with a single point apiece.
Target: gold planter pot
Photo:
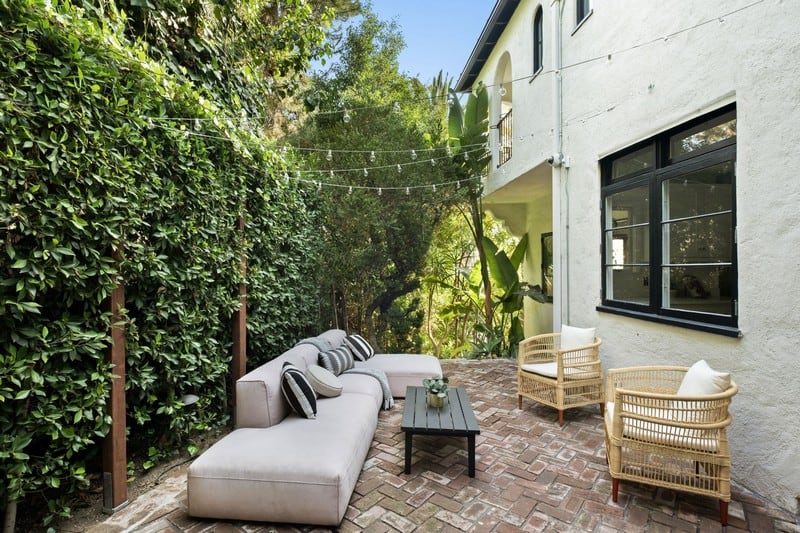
(436, 401)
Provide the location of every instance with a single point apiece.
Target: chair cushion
(324, 382)
(701, 380)
(337, 360)
(298, 391)
(360, 348)
(550, 370)
(572, 337)
(665, 434)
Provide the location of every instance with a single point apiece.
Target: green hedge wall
(96, 155)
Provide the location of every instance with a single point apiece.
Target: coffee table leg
(471, 454)
(408, 452)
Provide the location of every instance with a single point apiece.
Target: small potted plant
(437, 391)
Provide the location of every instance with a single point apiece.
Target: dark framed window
(538, 41)
(582, 10)
(669, 226)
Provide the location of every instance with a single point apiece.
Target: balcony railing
(505, 137)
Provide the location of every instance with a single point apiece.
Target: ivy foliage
(97, 162)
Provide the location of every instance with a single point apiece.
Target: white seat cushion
(666, 434)
(550, 370)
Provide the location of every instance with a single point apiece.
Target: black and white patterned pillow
(337, 360)
(359, 346)
(298, 391)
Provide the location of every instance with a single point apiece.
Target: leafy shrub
(96, 156)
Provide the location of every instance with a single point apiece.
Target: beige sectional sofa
(279, 467)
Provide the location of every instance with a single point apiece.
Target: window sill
(535, 74)
(727, 331)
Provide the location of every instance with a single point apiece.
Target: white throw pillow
(701, 380)
(572, 337)
(324, 382)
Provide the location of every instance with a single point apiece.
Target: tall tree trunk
(477, 232)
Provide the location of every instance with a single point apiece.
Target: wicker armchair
(560, 378)
(656, 438)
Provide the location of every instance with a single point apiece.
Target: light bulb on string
(399, 168)
(380, 191)
(502, 90)
(329, 155)
(346, 117)
(331, 174)
(319, 185)
(372, 156)
(197, 124)
(408, 191)
(350, 190)
(449, 151)
(413, 155)
(458, 184)
(366, 173)
(433, 162)
(466, 156)
(434, 187)
(396, 107)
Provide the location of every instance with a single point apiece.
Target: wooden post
(115, 469)
(239, 360)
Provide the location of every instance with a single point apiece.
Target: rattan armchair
(658, 438)
(560, 378)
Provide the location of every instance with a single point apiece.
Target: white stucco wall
(632, 71)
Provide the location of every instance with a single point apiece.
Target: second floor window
(538, 41)
(582, 10)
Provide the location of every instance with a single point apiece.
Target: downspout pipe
(560, 229)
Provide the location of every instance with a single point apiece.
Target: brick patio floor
(532, 475)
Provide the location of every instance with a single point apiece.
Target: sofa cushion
(404, 370)
(324, 381)
(360, 348)
(298, 471)
(298, 391)
(337, 360)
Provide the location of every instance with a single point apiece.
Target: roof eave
(501, 13)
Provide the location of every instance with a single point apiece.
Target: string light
(413, 155)
(329, 156)
(399, 168)
(346, 117)
(372, 156)
(366, 173)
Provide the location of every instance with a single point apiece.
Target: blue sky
(439, 34)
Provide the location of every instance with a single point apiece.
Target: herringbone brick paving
(531, 475)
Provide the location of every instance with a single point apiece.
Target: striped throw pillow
(298, 391)
(359, 346)
(337, 360)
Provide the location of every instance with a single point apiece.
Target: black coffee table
(456, 418)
